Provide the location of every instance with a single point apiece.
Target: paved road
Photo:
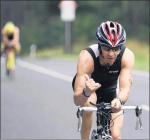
(38, 103)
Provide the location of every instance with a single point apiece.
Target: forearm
(125, 85)
(80, 99)
(123, 95)
(78, 90)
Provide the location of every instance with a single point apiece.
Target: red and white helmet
(111, 34)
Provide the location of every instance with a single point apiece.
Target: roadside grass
(140, 49)
(55, 53)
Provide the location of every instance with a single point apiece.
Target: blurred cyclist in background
(10, 37)
(10, 46)
(99, 68)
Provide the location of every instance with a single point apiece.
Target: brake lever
(138, 123)
(138, 112)
(79, 116)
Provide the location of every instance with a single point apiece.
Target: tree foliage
(40, 21)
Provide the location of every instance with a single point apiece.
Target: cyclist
(99, 68)
(10, 37)
(10, 41)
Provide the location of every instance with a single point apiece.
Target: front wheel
(94, 135)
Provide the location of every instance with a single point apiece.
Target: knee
(92, 98)
(116, 135)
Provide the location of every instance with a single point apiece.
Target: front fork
(103, 130)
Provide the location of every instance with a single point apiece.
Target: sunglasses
(115, 49)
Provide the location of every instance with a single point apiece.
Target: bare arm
(16, 39)
(4, 38)
(17, 35)
(85, 86)
(84, 66)
(126, 75)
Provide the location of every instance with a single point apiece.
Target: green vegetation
(140, 49)
(55, 53)
(40, 24)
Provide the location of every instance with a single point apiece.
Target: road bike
(103, 121)
(10, 61)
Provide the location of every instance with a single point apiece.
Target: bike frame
(102, 131)
(10, 60)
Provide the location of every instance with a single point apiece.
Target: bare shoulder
(128, 53)
(128, 58)
(17, 30)
(85, 64)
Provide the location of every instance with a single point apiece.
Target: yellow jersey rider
(10, 37)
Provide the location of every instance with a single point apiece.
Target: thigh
(117, 122)
(92, 98)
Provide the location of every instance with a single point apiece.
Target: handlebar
(106, 106)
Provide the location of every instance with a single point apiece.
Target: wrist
(121, 101)
(85, 94)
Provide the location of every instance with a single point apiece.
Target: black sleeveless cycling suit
(106, 76)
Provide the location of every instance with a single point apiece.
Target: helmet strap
(99, 48)
(100, 51)
(106, 66)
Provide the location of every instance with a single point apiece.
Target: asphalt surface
(38, 104)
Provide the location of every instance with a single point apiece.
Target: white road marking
(67, 78)
(44, 70)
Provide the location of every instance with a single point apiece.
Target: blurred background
(40, 24)
(38, 102)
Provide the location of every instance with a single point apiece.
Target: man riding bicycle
(10, 37)
(99, 68)
(10, 41)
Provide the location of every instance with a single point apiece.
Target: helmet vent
(118, 29)
(111, 25)
(113, 32)
(107, 29)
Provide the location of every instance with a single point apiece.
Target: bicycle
(10, 61)
(103, 113)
